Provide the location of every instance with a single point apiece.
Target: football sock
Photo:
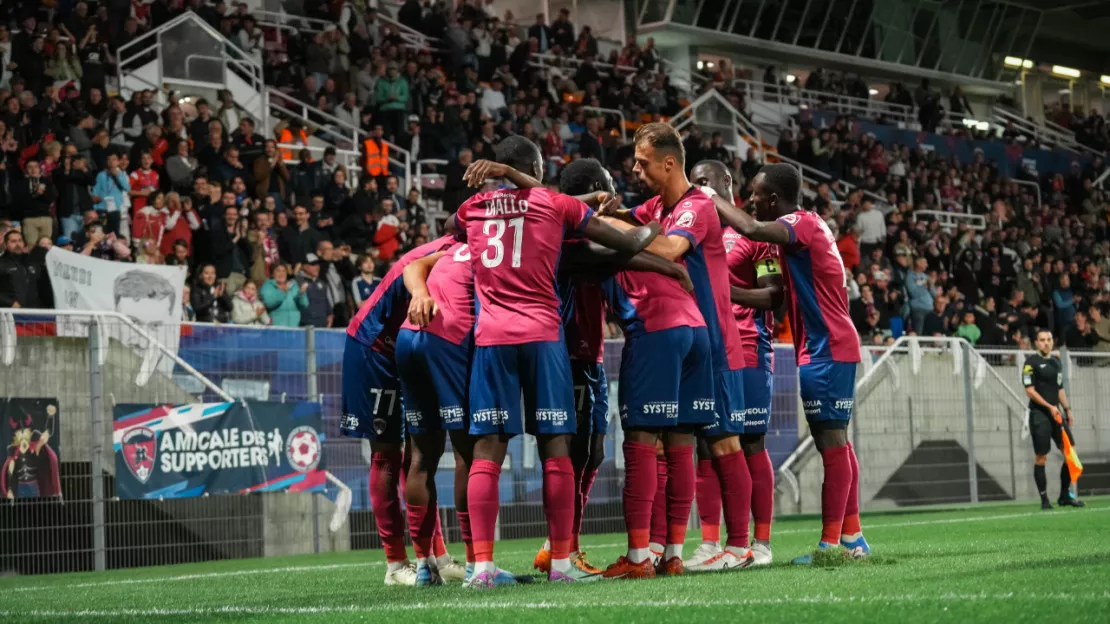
(385, 470)
(1042, 482)
(467, 537)
(851, 531)
(659, 502)
(439, 547)
(680, 496)
(421, 527)
(483, 504)
(639, 492)
(1065, 481)
(585, 485)
(558, 488)
(763, 493)
(736, 494)
(834, 492)
(708, 492)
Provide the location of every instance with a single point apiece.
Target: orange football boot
(672, 567)
(542, 562)
(625, 569)
(582, 564)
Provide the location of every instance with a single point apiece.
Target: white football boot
(705, 552)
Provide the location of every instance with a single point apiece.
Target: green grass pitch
(997, 563)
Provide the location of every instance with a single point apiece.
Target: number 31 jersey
(515, 236)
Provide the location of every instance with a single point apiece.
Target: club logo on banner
(167, 451)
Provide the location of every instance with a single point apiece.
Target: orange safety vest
(287, 138)
(377, 158)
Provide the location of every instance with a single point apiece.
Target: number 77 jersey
(816, 292)
(515, 236)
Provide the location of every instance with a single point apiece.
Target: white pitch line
(575, 604)
(368, 564)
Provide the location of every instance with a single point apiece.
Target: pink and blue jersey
(816, 292)
(451, 285)
(381, 315)
(583, 311)
(749, 260)
(648, 302)
(695, 218)
(515, 236)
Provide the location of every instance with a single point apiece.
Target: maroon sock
(834, 492)
(708, 492)
(851, 510)
(483, 504)
(385, 471)
(763, 493)
(736, 493)
(558, 489)
(680, 491)
(422, 526)
(639, 491)
(659, 503)
(467, 536)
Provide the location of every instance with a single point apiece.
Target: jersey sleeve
(1027, 373)
(464, 209)
(575, 214)
(691, 222)
(640, 213)
(799, 227)
(765, 258)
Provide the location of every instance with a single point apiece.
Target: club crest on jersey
(686, 219)
(792, 219)
(139, 449)
(729, 245)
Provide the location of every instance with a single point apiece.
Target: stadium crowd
(271, 235)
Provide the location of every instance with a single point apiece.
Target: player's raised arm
(766, 231)
(589, 255)
(422, 308)
(481, 170)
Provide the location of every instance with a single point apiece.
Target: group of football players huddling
(497, 330)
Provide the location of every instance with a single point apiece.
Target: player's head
(775, 191)
(715, 175)
(520, 154)
(584, 176)
(659, 155)
(1044, 342)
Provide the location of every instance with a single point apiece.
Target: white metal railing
(337, 128)
(677, 75)
(434, 209)
(740, 125)
(1053, 136)
(952, 219)
(1101, 179)
(1036, 188)
(755, 90)
(816, 176)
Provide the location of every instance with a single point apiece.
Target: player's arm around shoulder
(738, 219)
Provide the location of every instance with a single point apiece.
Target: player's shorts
(728, 404)
(1044, 431)
(666, 379)
(434, 382)
(538, 370)
(591, 397)
(828, 392)
(370, 394)
(758, 383)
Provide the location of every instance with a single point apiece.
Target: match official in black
(1043, 377)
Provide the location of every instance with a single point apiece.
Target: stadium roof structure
(952, 41)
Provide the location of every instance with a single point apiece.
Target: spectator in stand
(247, 307)
(229, 249)
(271, 174)
(110, 194)
(920, 297)
(1063, 304)
(562, 31)
(34, 194)
(284, 299)
(299, 240)
(364, 284)
(318, 312)
(19, 275)
(210, 301)
(968, 330)
(872, 228)
(392, 96)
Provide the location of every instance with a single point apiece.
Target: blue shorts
(728, 404)
(434, 382)
(758, 382)
(828, 392)
(370, 394)
(591, 397)
(666, 379)
(538, 370)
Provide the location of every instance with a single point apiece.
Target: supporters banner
(150, 294)
(29, 429)
(183, 451)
